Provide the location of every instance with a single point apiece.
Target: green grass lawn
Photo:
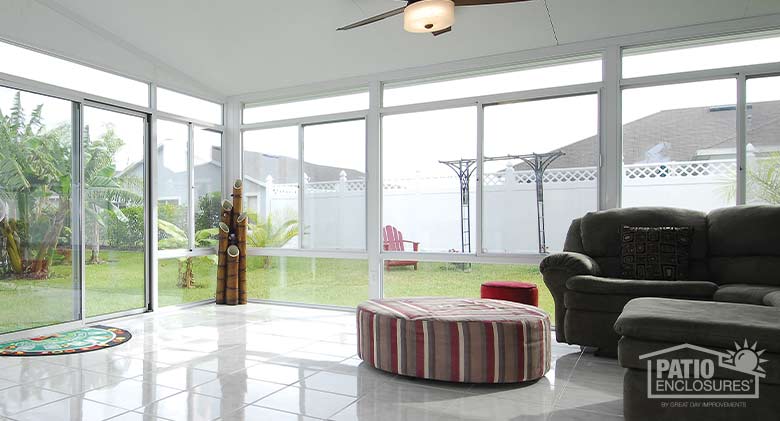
(118, 285)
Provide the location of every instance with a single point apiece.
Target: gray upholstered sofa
(734, 257)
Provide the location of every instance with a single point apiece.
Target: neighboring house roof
(258, 165)
(685, 134)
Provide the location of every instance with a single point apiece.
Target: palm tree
(267, 234)
(176, 238)
(35, 169)
(35, 173)
(763, 179)
(106, 189)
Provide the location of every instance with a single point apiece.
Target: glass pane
(679, 145)
(543, 76)
(441, 279)
(271, 186)
(341, 282)
(763, 140)
(421, 197)
(36, 256)
(701, 55)
(173, 183)
(113, 202)
(258, 113)
(188, 106)
(334, 200)
(208, 183)
(56, 71)
(526, 140)
(186, 280)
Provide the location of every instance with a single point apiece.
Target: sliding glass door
(38, 284)
(114, 211)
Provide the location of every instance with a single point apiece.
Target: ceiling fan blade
(481, 2)
(442, 31)
(373, 19)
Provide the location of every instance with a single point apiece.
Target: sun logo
(746, 359)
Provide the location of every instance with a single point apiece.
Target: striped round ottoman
(455, 339)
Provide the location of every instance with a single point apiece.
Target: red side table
(519, 292)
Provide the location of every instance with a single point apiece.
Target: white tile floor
(262, 362)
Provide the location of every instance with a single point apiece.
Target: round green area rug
(90, 338)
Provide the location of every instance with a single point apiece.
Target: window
(188, 106)
(207, 146)
(114, 191)
(537, 77)
(701, 55)
(334, 200)
(556, 139)
(443, 279)
(40, 292)
(763, 140)
(258, 113)
(186, 279)
(679, 145)
(341, 282)
(172, 185)
(422, 196)
(56, 71)
(271, 170)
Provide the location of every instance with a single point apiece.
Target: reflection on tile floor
(264, 362)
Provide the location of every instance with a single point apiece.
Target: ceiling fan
(433, 16)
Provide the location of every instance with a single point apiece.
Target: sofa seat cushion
(744, 293)
(702, 323)
(641, 288)
(772, 299)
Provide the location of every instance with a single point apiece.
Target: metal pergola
(465, 167)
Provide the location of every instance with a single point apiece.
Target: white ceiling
(240, 46)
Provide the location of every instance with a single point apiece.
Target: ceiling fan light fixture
(429, 15)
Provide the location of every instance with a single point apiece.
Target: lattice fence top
(725, 168)
(712, 168)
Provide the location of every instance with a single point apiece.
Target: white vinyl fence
(427, 209)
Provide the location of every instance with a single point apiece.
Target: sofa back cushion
(744, 245)
(601, 235)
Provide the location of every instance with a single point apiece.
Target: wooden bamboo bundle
(224, 233)
(241, 242)
(231, 284)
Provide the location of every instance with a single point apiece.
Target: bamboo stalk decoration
(227, 210)
(231, 284)
(231, 269)
(238, 205)
(241, 240)
(224, 232)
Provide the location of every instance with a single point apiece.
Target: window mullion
(191, 184)
(741, 115)
(301, 188)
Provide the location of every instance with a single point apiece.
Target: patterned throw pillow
(655, 253)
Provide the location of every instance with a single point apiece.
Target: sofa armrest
(556, 269)
(573, 263)
(641, 288)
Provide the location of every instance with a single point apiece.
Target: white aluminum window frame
(150, 114)
(609, 91)
(301, 123)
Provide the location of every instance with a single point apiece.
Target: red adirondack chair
(394, 241)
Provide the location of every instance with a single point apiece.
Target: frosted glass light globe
(429, 15)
